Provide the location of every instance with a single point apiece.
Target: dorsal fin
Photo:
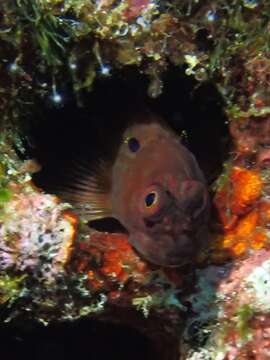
(88, 189)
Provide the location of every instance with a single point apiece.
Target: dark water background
(89, 340)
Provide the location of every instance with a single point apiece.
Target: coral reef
(239, 307)
(223, 41)
(52, 267)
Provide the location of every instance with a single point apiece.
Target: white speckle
(211, 16)
(259, 284)
(133, 29)
(192, 61)
(144, 23)
(13, 67)
(73, 66)
(56, 98)
(105, 70)
(251, 4)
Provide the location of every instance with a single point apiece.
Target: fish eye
(133, 144)
(151, 199)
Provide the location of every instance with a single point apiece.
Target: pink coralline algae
(238, 312)
(129, 9)
(135, 7)
(35, 232)
(246, 308)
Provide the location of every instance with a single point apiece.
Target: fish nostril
(149, 223)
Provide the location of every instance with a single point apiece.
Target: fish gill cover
(53, 267)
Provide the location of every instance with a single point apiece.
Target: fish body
(170, 231)
(156, 190)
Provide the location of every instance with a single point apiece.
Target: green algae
(5, 195)
(244, 315)
(10, 287)
(38, 37)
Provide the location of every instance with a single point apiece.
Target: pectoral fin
(89, 190)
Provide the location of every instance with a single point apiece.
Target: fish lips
(165, 251)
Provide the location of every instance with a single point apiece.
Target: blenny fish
(154, 188)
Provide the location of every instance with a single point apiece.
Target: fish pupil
(133, 144)
(150, 199)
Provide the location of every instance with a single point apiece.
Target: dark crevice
(85, 339)
(59, 137)
(109, 224)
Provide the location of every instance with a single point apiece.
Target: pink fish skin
(159, 194)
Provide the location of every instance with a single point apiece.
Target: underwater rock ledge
(52, 267)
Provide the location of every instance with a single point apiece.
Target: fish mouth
(171, 261)
(164, 251)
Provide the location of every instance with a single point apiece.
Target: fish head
(166, 230)
(159, 195)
